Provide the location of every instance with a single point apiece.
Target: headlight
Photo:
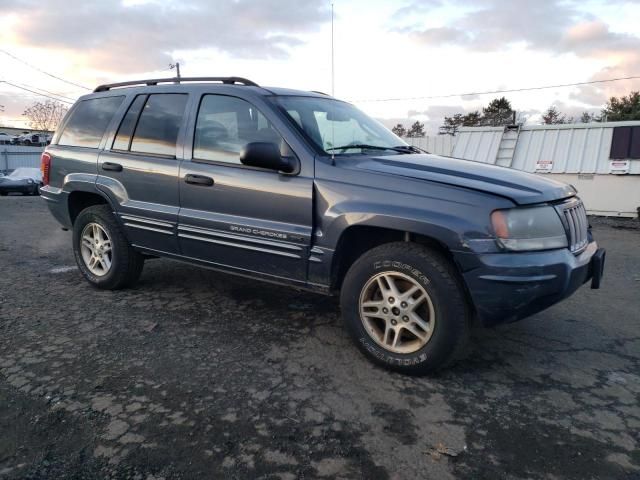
(529, 228)
(29, 181)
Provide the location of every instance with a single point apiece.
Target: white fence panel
(16, 156)
(573, 148)
(480, 144)
(436, 144)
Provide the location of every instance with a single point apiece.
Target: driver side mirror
(267, 155)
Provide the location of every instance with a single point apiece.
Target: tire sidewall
(81, 222)
(450, 320)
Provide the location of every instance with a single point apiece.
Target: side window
(123, 138)
(225, 125)
(88, 122)
(296, 117)
(159, 124)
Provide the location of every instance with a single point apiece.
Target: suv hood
(521, 187)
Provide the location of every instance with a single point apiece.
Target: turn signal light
(45, 167)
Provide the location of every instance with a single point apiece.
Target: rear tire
(423, 326)
(103, 254)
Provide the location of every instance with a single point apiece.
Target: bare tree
(45, 116)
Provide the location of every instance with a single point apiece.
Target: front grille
(574, 217)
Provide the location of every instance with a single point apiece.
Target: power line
(36, 93)
(524, 89)
(42, 71)
(44, 90)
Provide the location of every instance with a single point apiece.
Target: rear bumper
(58, 203)
(507, 287)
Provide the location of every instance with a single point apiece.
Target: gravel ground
(197, 374)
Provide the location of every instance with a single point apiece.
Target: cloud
(493, 24)
(413, 8)
(555, 26)
(118, 37)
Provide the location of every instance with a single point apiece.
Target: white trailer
(602, 160)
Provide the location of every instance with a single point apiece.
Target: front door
(247, 219)
(139, 170)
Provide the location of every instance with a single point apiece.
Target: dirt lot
(196, 374)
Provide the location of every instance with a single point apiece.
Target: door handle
(114, 167)
(198, 180)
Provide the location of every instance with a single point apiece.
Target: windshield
(338, 128)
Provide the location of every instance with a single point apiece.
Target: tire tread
(458, 304)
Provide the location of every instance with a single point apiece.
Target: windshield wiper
(410, 149)
(364, 146)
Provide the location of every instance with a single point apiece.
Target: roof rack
(156, 81)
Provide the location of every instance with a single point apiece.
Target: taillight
(45, 167)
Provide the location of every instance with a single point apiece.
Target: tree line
(499, 112)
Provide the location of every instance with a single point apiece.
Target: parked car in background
(17, 139)
(5, 138)
(34, 139)
(22, 180)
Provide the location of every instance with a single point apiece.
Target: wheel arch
(80, 199)
(356, 240)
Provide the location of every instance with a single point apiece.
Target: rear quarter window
(88, 122)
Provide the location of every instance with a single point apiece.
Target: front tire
(103, 254)
(405, 308)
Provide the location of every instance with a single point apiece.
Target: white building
(602, 160)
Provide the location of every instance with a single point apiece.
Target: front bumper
(506, 287)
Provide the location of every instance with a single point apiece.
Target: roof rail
(156, 81)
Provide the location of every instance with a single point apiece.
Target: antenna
(333, 81)
(333, 77)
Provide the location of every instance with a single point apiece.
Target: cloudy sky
(384, 50)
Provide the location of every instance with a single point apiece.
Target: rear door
(243, 218)
(139, 169)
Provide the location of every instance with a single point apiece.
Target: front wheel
(103, 254)
(405, 308)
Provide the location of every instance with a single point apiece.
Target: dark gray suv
(305, 190)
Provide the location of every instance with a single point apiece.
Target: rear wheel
(405, 308)
(103, 254)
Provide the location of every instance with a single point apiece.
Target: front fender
(459, 221)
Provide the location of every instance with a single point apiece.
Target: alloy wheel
(96, 250)
(397, 312)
